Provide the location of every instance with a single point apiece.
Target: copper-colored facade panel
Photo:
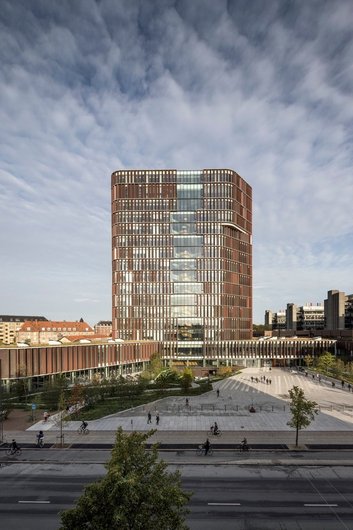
(47, 360)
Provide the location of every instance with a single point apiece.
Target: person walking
(206, 446)
(217, 392)
(149, 417)
(157, 418)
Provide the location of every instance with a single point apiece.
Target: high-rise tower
(182, 257)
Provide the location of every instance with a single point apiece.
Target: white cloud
(91, 87)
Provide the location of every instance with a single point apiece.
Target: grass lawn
(117, 404)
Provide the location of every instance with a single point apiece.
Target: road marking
(224, 504)
(323, 504)
(34, 502)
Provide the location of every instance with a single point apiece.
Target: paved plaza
(266, 390)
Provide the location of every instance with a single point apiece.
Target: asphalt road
(229, 497)
(95, 454)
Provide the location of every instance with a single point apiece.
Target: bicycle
(211, 433)
(82, 430)
(13, 452)
(40, 443)
(201, 451)
(244, 448)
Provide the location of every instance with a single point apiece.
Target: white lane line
(33, 502)
(322, 504)
(224, 504)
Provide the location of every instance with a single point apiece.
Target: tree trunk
(297, 435)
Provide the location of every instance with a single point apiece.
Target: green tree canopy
(156, 364)
(187, 379)
(303, 410)
(137, 493)
(309, 360)
(326, 362)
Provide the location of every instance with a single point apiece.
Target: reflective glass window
(183, 311)
(183, 217)
(188, 288)
(188, 176)
(189, 204)
(187, 241)
(183, 276)
(182, 264)
(188, 252)
(183, 299)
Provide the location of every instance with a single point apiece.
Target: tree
(187, 379)
(303, 410)
(156, 364)
(137, 493)
(52, 392)
(338, 368)
(309, 360)
(326, 362)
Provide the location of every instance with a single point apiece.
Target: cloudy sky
(263, 87)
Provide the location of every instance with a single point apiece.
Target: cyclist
(244, 445)
(84, 425)
(40, 439)
(216, 430)
(206, 446)
(14, 447)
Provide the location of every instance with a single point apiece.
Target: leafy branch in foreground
(137, 493)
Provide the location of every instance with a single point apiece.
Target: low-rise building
(10, 325)
(42, 332)
(103, 327)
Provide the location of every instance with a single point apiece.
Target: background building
(276, 321)
(43, 332)
(308, 318)
(182, 257)
(103, 327)
(10, 325)
(338, 310)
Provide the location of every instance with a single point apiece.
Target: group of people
(262, 378)
(207, 445)
(40, 438)
(149, 417)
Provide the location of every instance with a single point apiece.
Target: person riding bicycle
(84, 425)
(40, 438)
(206, 446)
(244, 444)
(14, 447)
(215, 429)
